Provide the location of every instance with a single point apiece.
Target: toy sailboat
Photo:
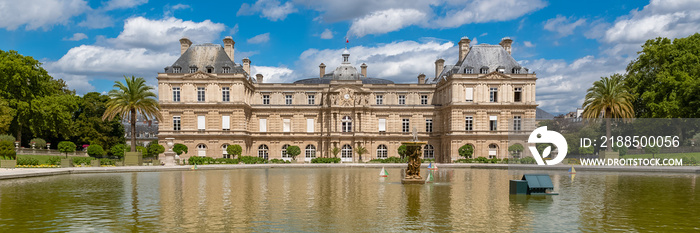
(572, 170)
(432, 166)
(429, 179)
(383, 173)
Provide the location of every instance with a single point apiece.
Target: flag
(347, 40)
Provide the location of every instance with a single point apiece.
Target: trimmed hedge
(325, 160)
(279, 161)
(252, 160)
(81, 160)
(27, 161)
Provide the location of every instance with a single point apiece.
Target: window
(380, 99)
(227, 70)
(423, 99)
(346, 153)
(288, 99)
(284, 152)
(176, 123)
(263, 125)
(266, 99)
(469, 124)
(517, 120)
(382, 125)
(193, 69)
(225, 122)
(176, 94)
(200, 94)
(493, 94)
(311, 99)
(310, 125)
(224, 152)
(469, 94)
(177, 69)
(428, 125)
(201, 150)
(493, 123)
(516, 70)
(469, 71)
(201, 122)
(346, 124)
(286, 125)
(518, 94)
(209, 70)
(262, 151)
(493, 151)
(382, 152)
(405, 125)
(402, 99)
(310, 151)
(484, 70)
(501, 70)
(225, 94)
(428, 152)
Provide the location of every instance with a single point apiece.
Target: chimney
(364, 69)
(246, 65)
(421, 79)
(439, 65)
(228, 47)
(322, 68)
(463, 47)
(506, 42)
(184, 45)
(259, 77)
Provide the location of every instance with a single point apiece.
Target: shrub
(225, 161)
(528, 160)
(481, 159)
(179, 149)
(466, 151)
(7, 150)
(515, 149)
(279, 161)
(54, 160)
(494, 160)
(66, 147)
(621, 150)
(118, 150)
(401, 150)
(95, 151)
(106, 161)
(7, 137)
(199, 160)
(325, 160)
(81, 160)
(251, 160)
(390, 160)
(234, 150)
(293, 151)
(467, 160)
(39, 143)
(153, 150)
(27, 161)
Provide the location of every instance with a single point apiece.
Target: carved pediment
(198, 75)
(495, 75)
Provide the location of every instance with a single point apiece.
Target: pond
(346, 199)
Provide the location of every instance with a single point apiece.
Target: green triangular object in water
(429, 179)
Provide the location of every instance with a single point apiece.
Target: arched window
(493, 151)
(346, 124)
(310, 152)
(346, 153)
(382, 152)
(428, 152)
(284, 152)
(224, 152)
(201, 150)
(262, 151)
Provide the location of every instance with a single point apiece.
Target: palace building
(208, 102)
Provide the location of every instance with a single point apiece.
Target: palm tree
(131, 99)
(608, 98)
(360, 151)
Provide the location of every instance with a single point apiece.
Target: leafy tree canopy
(179, 149)
(234, 150)
(466, 151)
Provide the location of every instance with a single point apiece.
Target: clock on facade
(347, 96)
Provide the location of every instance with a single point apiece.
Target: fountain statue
(414, 152)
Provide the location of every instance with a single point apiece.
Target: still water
(345, 200)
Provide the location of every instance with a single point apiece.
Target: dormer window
(227, 70)
(210, 69)
(484, 70)
(193, 69)
(469, 71)
(516, 70)
(177, 69)
(501, 69)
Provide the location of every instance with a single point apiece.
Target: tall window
(286, 125)
(405, 125)
(201, 123)
(402, 99)
(469, 94)
(428, 152)
(382, 152)
(380, 99)
(225, 94)
(428, 125)
(346, 153)
(263, 125)
(176, 94)
(201, 150)
(224, 152)
(177, 70)
(311, 99)
(266, 99)
(176, 123)
(493, 123)
(382, 125)
(310, 151)
(288, 99)
(310, 125)
(469, 124)
(346, 124)
(516, 123)
(518, 94)
(423, 99)
(262, 151)
(284, 152)
(493, 94)
(226, 122)
(200, 94)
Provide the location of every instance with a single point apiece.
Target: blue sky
(569, 44)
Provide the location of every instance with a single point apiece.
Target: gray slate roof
(327, 79)
(344, 72)
(484, 56)
(203, 56)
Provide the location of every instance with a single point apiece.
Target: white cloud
(169, 10)
(380, 22)
(234, 30)
(528, 44)
(563, 25)
(77, 36)
(79, 83)
(482, 11)
(273, 74)
(39, 13)
(327, 34)
(259, 39)
(270, 9)
(96, 20)
(164, 34)
(123, 4)
(484, 34)
(98, 60)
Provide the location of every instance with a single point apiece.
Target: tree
(6, 115)
(653, 150)
(7, 150)
(293, 151)
(402, 151)
(7, 137)
(234, 150)
(609, 98)
(118, 150)
(466, 151)
(179, 149)
(66, 147)
(622, 150)
(88, 124)
(39, 143)
(154, 149)
(95, 151)
(131, 99)
(360, 151)
(515, 149)
(335, 152)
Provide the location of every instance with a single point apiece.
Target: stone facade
(344, 109)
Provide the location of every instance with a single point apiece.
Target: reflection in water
(345, 199)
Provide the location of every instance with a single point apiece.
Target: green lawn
(44, 158)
